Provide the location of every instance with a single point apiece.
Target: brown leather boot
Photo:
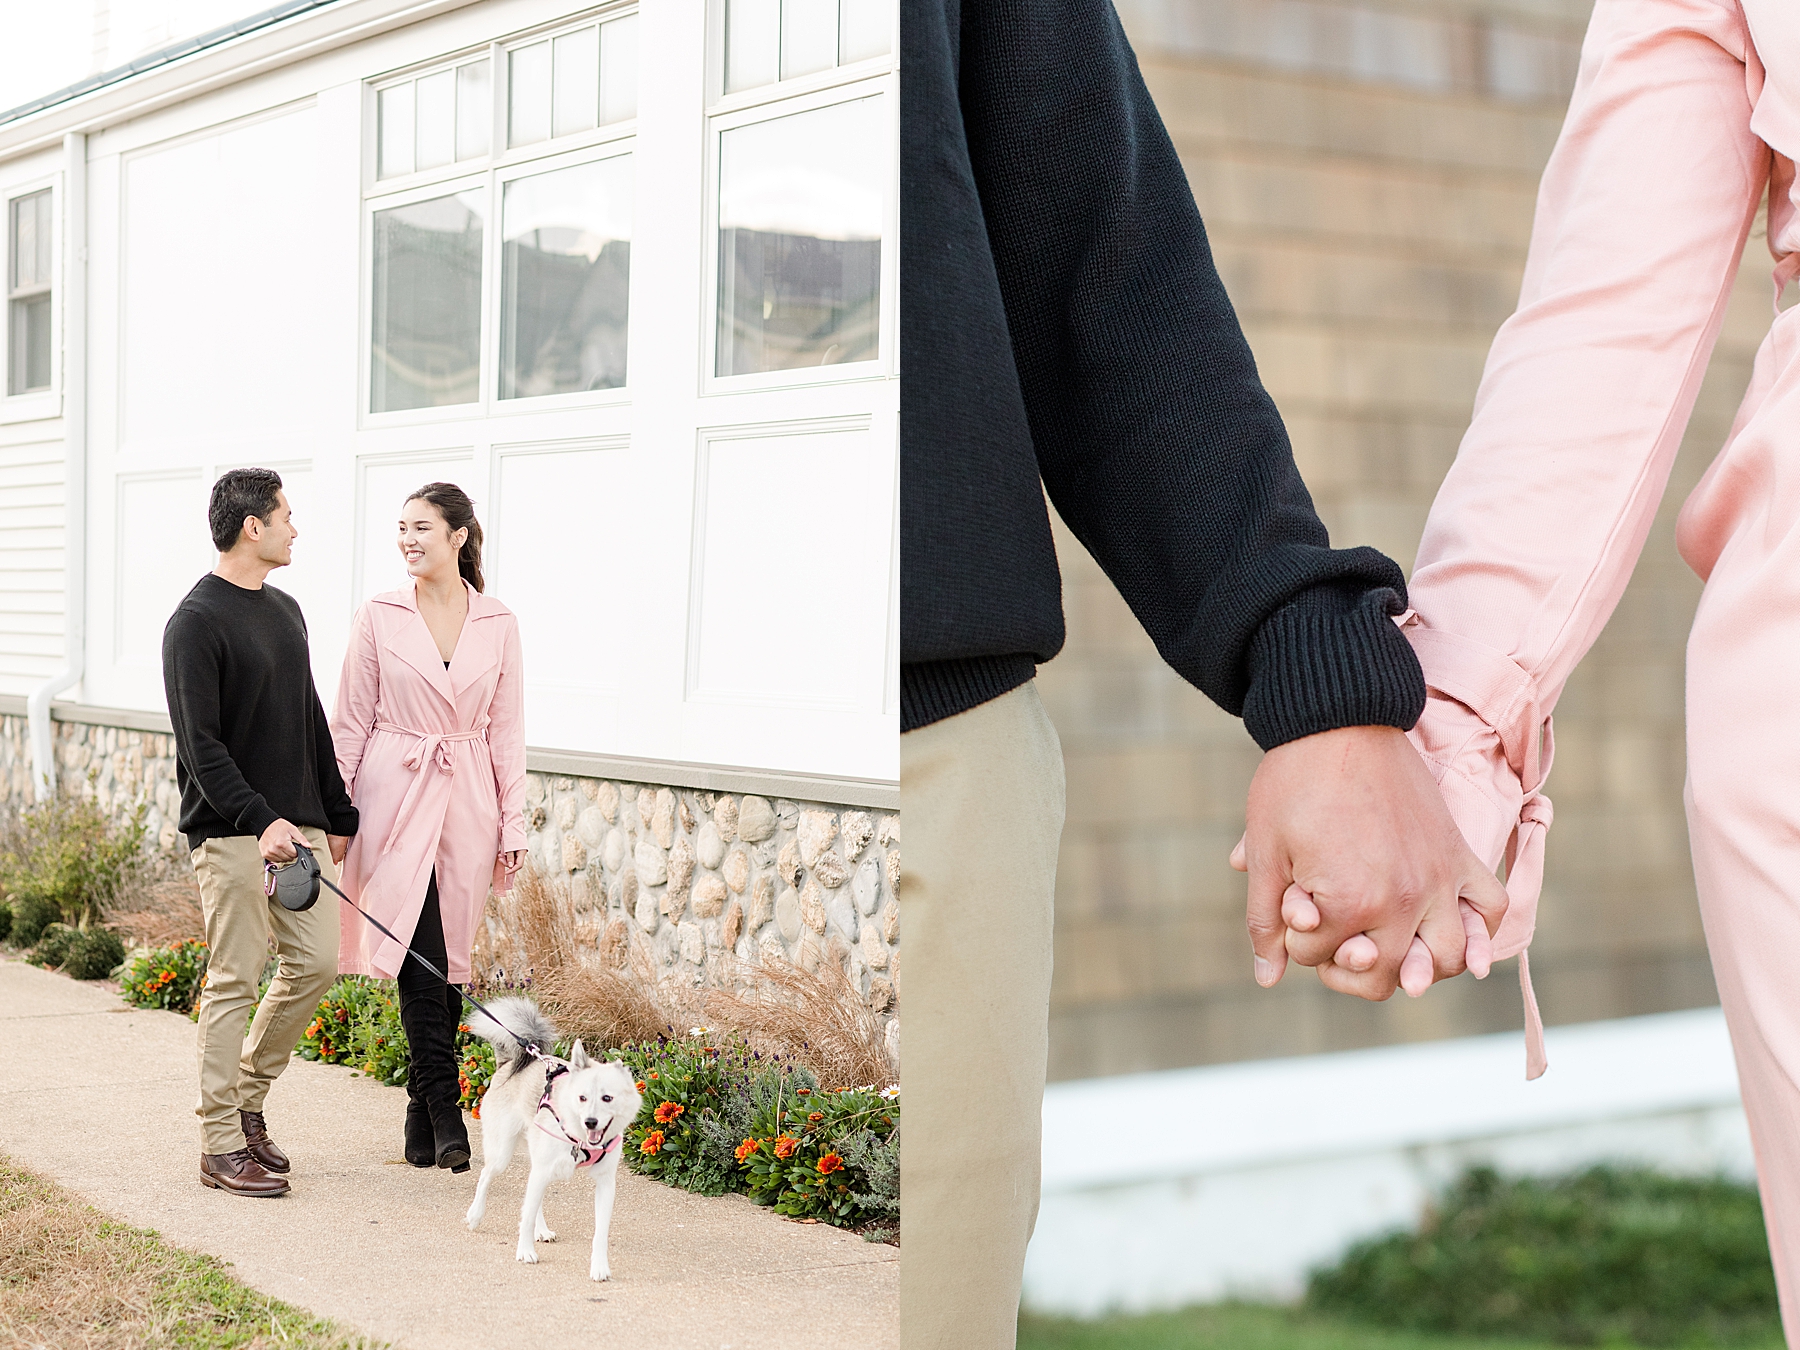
(240, 1174)
(262, 1148)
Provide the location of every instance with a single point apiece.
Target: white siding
(31, 558)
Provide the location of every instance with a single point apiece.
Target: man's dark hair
(240, 493)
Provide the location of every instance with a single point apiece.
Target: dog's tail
(521, 1023)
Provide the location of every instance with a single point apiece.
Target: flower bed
(717, 1116)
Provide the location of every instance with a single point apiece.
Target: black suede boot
(429, 1012)
(421, 1144)
(449, 1130)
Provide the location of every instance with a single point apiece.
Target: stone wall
(1371, 230)
(703, 875)
(697, 875)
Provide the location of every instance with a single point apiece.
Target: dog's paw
(527, 1255)
(474, 1216)
(599, 1273)
(545, 1235)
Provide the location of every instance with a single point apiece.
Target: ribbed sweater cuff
(1331, 658)
(930, 691)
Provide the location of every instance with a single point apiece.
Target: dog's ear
(578, 1058)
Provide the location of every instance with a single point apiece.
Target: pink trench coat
(435, 761)
(1684, 113)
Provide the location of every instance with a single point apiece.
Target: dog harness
(585, 1155)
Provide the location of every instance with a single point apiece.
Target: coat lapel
(478, 649)
(412, 643)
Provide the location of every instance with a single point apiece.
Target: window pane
(474, 110)
(809, 39)
(30, 345)
(396, 131)
(800, 212)
(437, 120)
(618, 69)
(565, 280)
(577, 83)
(528, 93)
(863, 29)
(752, 43)
(426, 307)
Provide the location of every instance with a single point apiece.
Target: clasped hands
(1357, 868)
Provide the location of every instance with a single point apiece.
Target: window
(572, 83)
(552, 155)
(804, 186)
(770, 40)
(800, 209)
(566, 272)
(426, 311)
(28, 293)
(438, 119)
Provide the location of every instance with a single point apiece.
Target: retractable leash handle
(296, 886)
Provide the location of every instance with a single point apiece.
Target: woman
(430, 738)
(1685, 113)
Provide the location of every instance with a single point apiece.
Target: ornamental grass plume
(533, 929)
(816, 1018)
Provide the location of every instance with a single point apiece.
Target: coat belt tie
(430, 748)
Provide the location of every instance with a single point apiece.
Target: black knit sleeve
(1155, 437)
(192, 655)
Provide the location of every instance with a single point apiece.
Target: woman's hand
(340, 845)
(513, 860)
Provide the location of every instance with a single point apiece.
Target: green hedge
(1604, 1256)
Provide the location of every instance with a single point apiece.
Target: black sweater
(252, 745)
(1062, 323)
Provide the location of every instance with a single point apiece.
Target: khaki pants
(235, 1072)
(983, 797)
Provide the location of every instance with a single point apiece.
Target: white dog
(573, 1114)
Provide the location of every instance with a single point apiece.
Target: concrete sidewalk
(100, 1098)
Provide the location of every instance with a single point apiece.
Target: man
(1064, 330)
(257, 773)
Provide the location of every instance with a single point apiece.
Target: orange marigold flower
(668, 1111)
(745, 1149)
(815, 1116)
(652, 1144)
(804, 1092)
(640, 1086)
(653, 1075)
(785, 1146)
(830, 1163)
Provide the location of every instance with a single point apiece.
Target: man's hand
(1356, 867)
(340, 845)
(277, 842)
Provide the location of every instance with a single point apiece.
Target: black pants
(430, 1011)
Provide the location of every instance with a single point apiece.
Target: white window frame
(500, 166)
(39, 404)
(804, 93)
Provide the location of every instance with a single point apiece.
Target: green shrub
(31, 915)
(358, 1023)
(94, 954)
(722, 1118)
(53, 945)
(5, 920)
(1607, 1255)
(66, 854)
(474, 1068)
(169, 977)
(684, 1084)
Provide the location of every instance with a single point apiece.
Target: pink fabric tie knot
(1505, 696)
(429, 747)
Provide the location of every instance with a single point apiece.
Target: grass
(1244, 1327)
(73, 1279)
